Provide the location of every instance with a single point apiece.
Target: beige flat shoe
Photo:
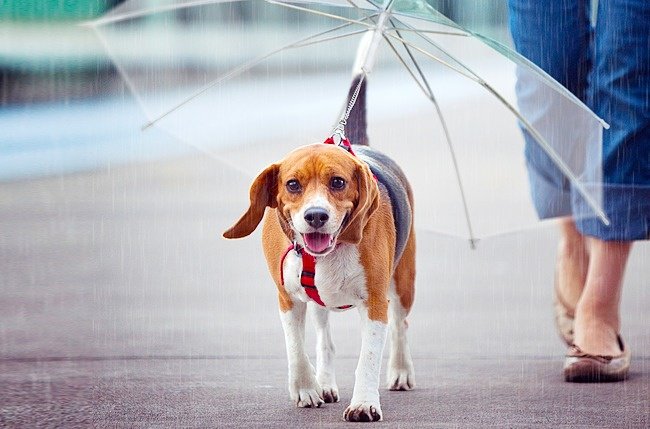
(564, 315)
(581, 367)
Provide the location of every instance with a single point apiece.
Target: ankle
(596, 329)
(597, 340)
(598, 312)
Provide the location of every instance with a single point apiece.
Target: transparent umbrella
(247, 81)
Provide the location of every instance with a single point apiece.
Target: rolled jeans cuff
(627, 208)
(551, 199)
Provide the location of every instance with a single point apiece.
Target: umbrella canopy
(247, 81)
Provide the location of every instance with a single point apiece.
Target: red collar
(307, 275)
(344, 144)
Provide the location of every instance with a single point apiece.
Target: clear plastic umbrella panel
(247, 81)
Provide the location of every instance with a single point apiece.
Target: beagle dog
(338, 233)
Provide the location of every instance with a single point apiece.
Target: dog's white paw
(363, 412)
(308, 398)
(306, 394)
(330, 393)
(400, 378)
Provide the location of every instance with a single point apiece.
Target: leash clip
(338, 136)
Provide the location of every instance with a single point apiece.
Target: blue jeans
(608, 68)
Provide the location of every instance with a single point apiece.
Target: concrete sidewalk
(121, 306)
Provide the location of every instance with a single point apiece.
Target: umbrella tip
(604, 219)
(472, 243)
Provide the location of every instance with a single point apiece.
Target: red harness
(307, 275)
(343, 144)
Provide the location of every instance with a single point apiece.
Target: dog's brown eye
(337, 183)
(293, 186)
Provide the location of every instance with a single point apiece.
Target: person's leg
(572, 264)
(619, 93)
(597, 321)
(556, 36)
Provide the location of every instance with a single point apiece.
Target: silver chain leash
(339, 132)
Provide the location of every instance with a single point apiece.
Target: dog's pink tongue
(317, 242)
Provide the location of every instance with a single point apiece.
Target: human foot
(582, 367)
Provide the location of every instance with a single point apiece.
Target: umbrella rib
(157, 9)
(406, 66)
(547, 79)
(388, 6)
(417, 66)
(120, 70)
(354, 5)
(416, 30)
(327, 39)
(445, 129)
(320, 13)
(146, 11)
(139, 100)
(241, 69)
(529, 127)
(471, 76)
(440, 48)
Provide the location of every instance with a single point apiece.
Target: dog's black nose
(316, 217)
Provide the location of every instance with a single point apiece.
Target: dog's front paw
(306, 394)
(363, 412)
(304, 389)
(308, 398)
(330, 394)
(400, 378)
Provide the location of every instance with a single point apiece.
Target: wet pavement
(121, 306)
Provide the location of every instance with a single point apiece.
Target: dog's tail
(357, 125)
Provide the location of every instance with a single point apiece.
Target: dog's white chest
(340, 278)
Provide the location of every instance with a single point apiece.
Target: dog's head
(323, 195)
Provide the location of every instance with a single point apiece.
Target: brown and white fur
(357, 264)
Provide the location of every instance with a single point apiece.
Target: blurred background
(55, 71)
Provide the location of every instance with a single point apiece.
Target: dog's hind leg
(325, 352)
(303, 386)
(400, 374)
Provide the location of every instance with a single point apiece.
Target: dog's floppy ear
(263, 193)
(365, 206)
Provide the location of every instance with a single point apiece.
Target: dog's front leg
(325, 352)
(365, 406)
(303, 387)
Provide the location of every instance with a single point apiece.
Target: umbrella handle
(371, 40)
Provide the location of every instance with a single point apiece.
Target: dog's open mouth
(317, 242)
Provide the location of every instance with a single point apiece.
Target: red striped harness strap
(307, 275)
